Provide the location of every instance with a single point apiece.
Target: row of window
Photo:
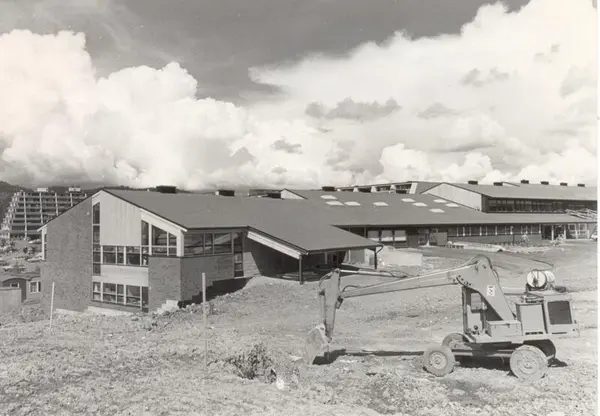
(129, 255)
(127, 295)
(531, 205)
(394, 235)
(196, 243)
(476, 230)
(34, 287)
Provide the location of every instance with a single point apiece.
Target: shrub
(254, 364)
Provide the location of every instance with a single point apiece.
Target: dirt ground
(140, 365)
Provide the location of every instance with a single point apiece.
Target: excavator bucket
(316, 344)
(318, 339)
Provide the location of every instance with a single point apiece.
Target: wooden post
(51, 305)
(375, 258)
(552, 232)
(300, 275)
(204, 313)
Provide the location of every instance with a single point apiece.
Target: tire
(529, 363)
(547, 347)
(452, 340)
(439, 360)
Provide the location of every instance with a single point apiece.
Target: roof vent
(380, 204)
(408, 200)
(330, 197)
(440, 201)
(164, 189)
(452, 205)
(545, 183)
(436, 210)
(564, 184)
(525, 181)
(225, 192)
(581, 185)
(497, 183)
(420, 204)
(335, 203)
(328, 189)
(352, 204)
(473, 182)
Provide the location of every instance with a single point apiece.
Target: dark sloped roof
(401, 210)
(299, 225)
(534, 191)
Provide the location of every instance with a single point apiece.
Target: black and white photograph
(299, 207)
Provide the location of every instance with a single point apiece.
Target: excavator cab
(491, 327)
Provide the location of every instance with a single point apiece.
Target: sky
(296, 93)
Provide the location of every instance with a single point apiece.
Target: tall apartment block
(29, 210)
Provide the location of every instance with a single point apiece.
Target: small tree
(2, 242)
(25, 250)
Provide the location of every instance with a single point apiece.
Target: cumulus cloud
(351, 110)
(485, 90)
(528, 110)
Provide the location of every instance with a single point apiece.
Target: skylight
(336, 203)
(352, 204)
(328, 197)
(440, 201)
(380, 204)
(420, 204)
(408, 200)
(436, 210)
(452, 204)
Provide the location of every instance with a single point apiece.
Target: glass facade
(535, 205)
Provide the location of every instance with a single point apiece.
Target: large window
(222, 243)
(163, 242)
(119, 294)
(155, 241)
(197, 243)
(35, 287)
(96, 250)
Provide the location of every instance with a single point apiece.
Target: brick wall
(164, 281)
(69, 260)
(216, 268)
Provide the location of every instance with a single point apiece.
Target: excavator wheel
(439, 360)
(547, 347)
(454, 341)
(529, 363)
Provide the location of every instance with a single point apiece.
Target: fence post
(205, 323)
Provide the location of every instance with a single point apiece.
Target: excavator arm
(476, 274)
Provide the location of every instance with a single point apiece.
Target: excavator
(490, 326)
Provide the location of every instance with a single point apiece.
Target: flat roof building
(29, 210)
(519, 197)
(132, 250)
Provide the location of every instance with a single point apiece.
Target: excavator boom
(476, 274)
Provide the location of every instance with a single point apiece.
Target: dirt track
(124, 366)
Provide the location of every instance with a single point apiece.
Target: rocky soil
(145, 365)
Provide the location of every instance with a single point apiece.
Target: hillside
(154, 365)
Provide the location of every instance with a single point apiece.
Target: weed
(254, 364)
